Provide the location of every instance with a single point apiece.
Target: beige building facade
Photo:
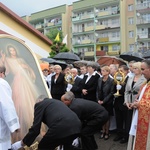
(13, 25)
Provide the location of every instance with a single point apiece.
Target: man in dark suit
(76, 87)
(63, 125)
(92, 115)
(121, 110)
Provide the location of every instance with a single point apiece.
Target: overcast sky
(26, 7)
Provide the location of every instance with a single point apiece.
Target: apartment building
(143, 25)
(57, 17)
(96, 28)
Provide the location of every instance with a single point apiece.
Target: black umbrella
(49, 60)
(80, 63)
(129, 56)
(67, 56)
(55, 62)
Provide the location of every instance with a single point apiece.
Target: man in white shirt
(76, 86)
(130, 64)
(83, 70)
(9, 122)
(113, 69)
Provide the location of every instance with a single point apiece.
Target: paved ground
(109, 144)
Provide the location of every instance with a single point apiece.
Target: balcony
(50, 24)
(114, 38)
(105, 39)
(108, 26)
(75, 18)
(142, 21)
(86, 41)
(108, 39)
(107, 13)
(39, 26)
(117, 52)
(104, 13)
(100, 27)
(89, 53)
(114, 25)
(87, 16)
(82, 17)
(90, 28)
(100, 53)
(145, 35)
(143, 6)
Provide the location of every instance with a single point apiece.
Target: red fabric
(143, 120)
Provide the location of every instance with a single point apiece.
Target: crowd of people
(100, 87)
(83, 107)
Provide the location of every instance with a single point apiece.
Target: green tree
(53, 33)
(57, 45)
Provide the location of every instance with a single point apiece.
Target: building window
(131, 47)
(131, 20)
(115, 47)
(115, 21)
(115, 34)
(104, 48)
(131, 34)
(130, 7)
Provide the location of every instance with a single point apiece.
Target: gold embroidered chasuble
(142, 141)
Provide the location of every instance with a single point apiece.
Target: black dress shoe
(123, 140)
(117, 138)
(76, 148)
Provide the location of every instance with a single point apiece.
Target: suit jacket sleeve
(98, 90)
(76, 86)
(127, 95)
(122, 90)
(35, 129)
(109, 97)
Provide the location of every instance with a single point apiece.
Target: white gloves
(75, 142)
(118, 87)
(16, 145)
(60, 148)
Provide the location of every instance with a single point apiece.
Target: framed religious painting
(25, 78)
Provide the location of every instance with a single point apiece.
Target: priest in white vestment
(9, 122)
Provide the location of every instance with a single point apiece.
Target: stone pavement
(109, 144)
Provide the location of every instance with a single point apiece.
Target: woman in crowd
(58, 86)
(105, 91)
(89, 82)
(133, 85)
(131, 92)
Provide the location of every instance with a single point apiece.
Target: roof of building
(24, 23)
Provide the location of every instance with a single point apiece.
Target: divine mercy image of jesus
(24, 77)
